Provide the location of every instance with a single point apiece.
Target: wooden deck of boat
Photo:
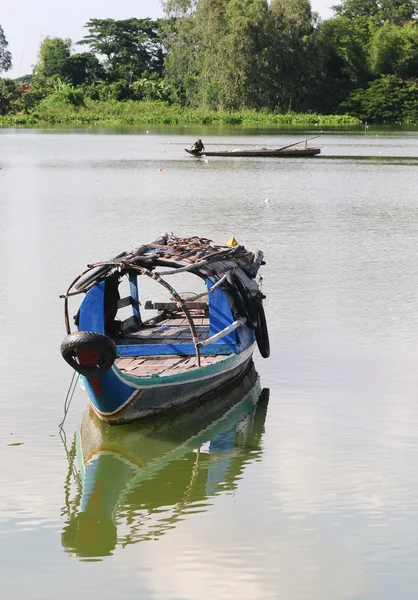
(176, 330)
(141, 366)
(168, 330)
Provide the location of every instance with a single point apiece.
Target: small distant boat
(137, 482)
(265, 152)
(134, 367)
(284, 152)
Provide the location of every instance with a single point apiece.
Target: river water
(310, 494)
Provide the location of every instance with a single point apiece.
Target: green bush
(149, 88)
(60, 108)
(388, 99)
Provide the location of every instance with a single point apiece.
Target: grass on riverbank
(131, 113)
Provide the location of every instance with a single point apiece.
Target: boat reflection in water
(135, 482)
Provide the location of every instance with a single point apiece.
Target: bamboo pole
(296, 143)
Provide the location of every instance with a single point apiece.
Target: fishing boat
(263, 152)
(135, 483)
(284, 152)
(191, 345)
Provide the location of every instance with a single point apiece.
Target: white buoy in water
(267, 200)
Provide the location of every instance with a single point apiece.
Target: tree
(235, 54)
(131, 47)
(242, 54)
(343, 59)
(83, 68)
(394, 50)
(5, 55)
(227, 51)
(179, 9)
(52, 57)
(180, 72)
(292, 54)
(387, 99)
(56, 61)
(216, 53)
(393, 11)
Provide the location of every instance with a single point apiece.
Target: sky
(27, 22)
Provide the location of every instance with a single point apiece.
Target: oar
(296, 143)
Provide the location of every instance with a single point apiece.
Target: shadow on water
(135, 483)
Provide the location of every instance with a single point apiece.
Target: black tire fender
(245, 305)
(261, 331)
(89, 340)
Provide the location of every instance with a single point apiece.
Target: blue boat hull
(119, 399)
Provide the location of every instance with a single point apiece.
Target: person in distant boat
(198, 146)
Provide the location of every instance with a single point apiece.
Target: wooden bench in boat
(168, 365)
(149, 305)
(165, 331)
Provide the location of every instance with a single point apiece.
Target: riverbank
(132, 112)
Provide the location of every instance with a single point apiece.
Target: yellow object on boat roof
(232, 242)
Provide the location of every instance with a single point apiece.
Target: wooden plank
(129, 323)
(176, 322)
(124, 302)
(171, 364)
(126, 363)
(149, 305)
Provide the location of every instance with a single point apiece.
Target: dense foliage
(208, 57)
